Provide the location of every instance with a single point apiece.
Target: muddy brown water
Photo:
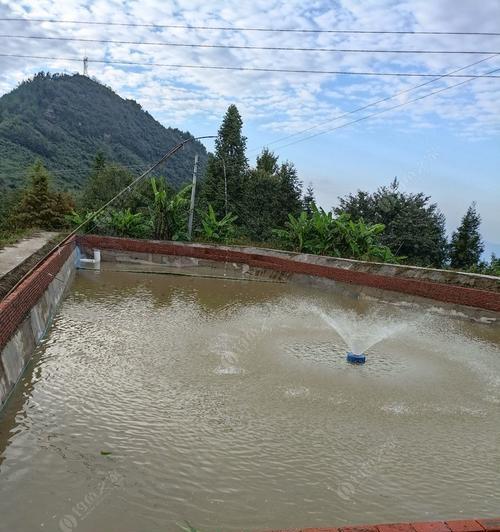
(156, 400)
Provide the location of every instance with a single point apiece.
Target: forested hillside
(65, 119)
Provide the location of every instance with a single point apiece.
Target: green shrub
(216, 230)
(123, 223)
(169, 212)
(321, 233)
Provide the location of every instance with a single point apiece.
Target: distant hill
(66, 119)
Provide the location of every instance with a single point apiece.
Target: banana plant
(169, 212)
(296, 232)
(321, 233)
(216, 230)
(125, 223)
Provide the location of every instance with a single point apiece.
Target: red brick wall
(480, 525)
(16, 306)
(471, 297)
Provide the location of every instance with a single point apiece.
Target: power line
(239, 28)
(250, 69)
(245, 47)
(382, 111)
(377, 102)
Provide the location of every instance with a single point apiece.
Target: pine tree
(272, 191)
(39, 207)
(105, 181)
(267, 162)
(466, 245)
(309, 201)
(227, 167)
(290, 193)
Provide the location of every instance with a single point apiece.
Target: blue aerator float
(355, 359)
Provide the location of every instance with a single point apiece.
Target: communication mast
(85, 66)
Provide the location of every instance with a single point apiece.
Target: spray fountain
(360, 333)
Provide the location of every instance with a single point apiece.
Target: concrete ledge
(480, 525)
(470, 290)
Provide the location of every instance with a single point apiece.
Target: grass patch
(11, 236)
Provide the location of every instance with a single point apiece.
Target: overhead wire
(382, 111)
(377, 102)
(249, 69)
(245, 47)
(249, 29)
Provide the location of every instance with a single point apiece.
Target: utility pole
(225, 183)
(86, 66)
(193, 195)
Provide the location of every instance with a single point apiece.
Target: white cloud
(272, 103)
(281, 102)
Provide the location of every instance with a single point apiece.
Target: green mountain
(66, 119)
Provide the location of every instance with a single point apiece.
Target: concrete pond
(154, 399)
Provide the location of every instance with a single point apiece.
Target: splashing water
(360, 333)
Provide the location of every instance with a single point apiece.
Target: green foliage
(158, 209)
(65, 119)
(113, 222)
(39, 206)
(309, 201)
(493, 268)
(169, 211)
(10, 198)
(124, 223)
(413, 227)
(228, 165)
(272, 191)
(104, 182)
(323, 234)
(466, 245)
(11, 236)
(296, 233)
(75, 219)
(487, 268)
(214, 229)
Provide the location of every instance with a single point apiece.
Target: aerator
(355, 359)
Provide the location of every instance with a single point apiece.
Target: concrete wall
(26, 314)
(454, 288)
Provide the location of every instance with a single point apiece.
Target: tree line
(264, 205)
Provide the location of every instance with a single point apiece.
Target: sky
(445, 144)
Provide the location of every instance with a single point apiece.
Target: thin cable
(382, 111)
(245, 47)
(374, 103)
(239, 28)
(250, 69)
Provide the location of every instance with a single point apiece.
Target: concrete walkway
(12, 256)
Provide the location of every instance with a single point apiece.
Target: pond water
(157, 399)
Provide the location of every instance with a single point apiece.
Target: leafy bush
(323, 234)
(128, 224)
(216, 230)
(123, 223)
(169, 212)
(414, 227)
(488, 268)
(296, 233)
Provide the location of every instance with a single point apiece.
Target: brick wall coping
(462, 525)
(440, 285)
(17, 305)
(467, 279)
